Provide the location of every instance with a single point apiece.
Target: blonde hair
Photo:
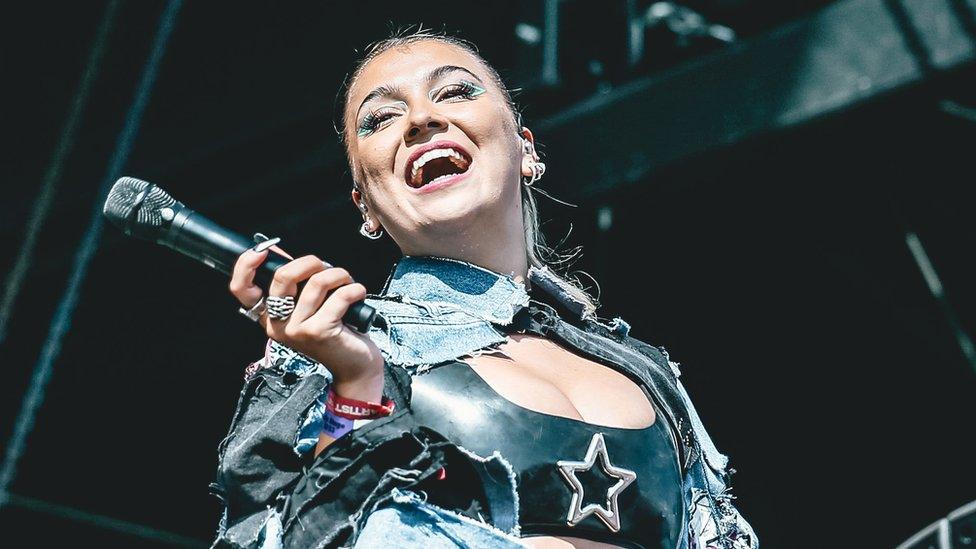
(539, 254)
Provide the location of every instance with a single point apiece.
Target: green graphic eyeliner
(365, 129)
(476, 90)
(464, 89)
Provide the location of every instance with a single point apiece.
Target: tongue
(436, 168)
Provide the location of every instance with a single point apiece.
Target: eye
(374, 120)
(462, 90)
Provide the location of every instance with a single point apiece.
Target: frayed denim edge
(412, 497)
(516, 531)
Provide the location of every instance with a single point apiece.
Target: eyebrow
(444, 69)
(387, 90)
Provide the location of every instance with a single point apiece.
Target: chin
(459, 208)
(452, 215)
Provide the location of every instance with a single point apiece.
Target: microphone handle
(196, 236)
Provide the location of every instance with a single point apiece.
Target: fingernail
(262, 246)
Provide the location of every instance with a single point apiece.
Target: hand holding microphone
(317, 325)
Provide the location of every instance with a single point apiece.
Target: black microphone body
(195, 236)
(145, 211)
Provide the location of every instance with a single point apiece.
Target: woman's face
(433, 147)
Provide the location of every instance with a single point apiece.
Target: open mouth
(435, 165)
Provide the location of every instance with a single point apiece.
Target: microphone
(146, 211)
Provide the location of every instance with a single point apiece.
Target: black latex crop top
(549, 452)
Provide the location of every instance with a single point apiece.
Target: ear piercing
(372, 235)
(364, 228)
(538, 170)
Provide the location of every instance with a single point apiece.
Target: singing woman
(490, 406)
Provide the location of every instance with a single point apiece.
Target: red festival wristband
(357, 409)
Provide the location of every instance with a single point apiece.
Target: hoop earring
(372, 235)
(538, 170)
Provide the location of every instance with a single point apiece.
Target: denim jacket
(436, 310)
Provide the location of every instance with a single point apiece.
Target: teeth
(430, 155)
(436, 179)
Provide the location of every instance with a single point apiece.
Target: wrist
(367, 388)
(354, 409)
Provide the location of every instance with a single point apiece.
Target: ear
(357, 199)
(360, 201)
(529, 155)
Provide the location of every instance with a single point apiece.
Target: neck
(498, 247)
(506, 260)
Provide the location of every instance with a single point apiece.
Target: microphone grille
(133, 204)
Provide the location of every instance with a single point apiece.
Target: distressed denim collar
(484, 294)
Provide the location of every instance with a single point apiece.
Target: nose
(424, 122)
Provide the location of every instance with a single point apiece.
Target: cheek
(492, 132)
(375, 162)
(491, 123)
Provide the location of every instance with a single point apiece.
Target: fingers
(326, 294)
(336, 305)
(242, 279)
(282, 252)
(288, 276)
(317, 289)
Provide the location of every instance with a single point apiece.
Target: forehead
(402, 66)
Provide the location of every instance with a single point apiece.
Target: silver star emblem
(611, 514)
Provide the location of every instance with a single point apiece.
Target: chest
(569, 473)
(541, 376)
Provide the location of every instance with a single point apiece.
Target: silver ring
(279, 307)
(255, 312)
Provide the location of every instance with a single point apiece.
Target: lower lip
(445, 182)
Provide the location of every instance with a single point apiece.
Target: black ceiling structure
(781, 193)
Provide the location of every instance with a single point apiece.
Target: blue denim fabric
(435, 308)
(457, 285)
(410, 522)
(308, 432)
(414, 332)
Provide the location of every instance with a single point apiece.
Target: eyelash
(372, 121)
(463, 90)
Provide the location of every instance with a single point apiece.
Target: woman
(491, 407)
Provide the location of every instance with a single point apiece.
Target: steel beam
(841, 56)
